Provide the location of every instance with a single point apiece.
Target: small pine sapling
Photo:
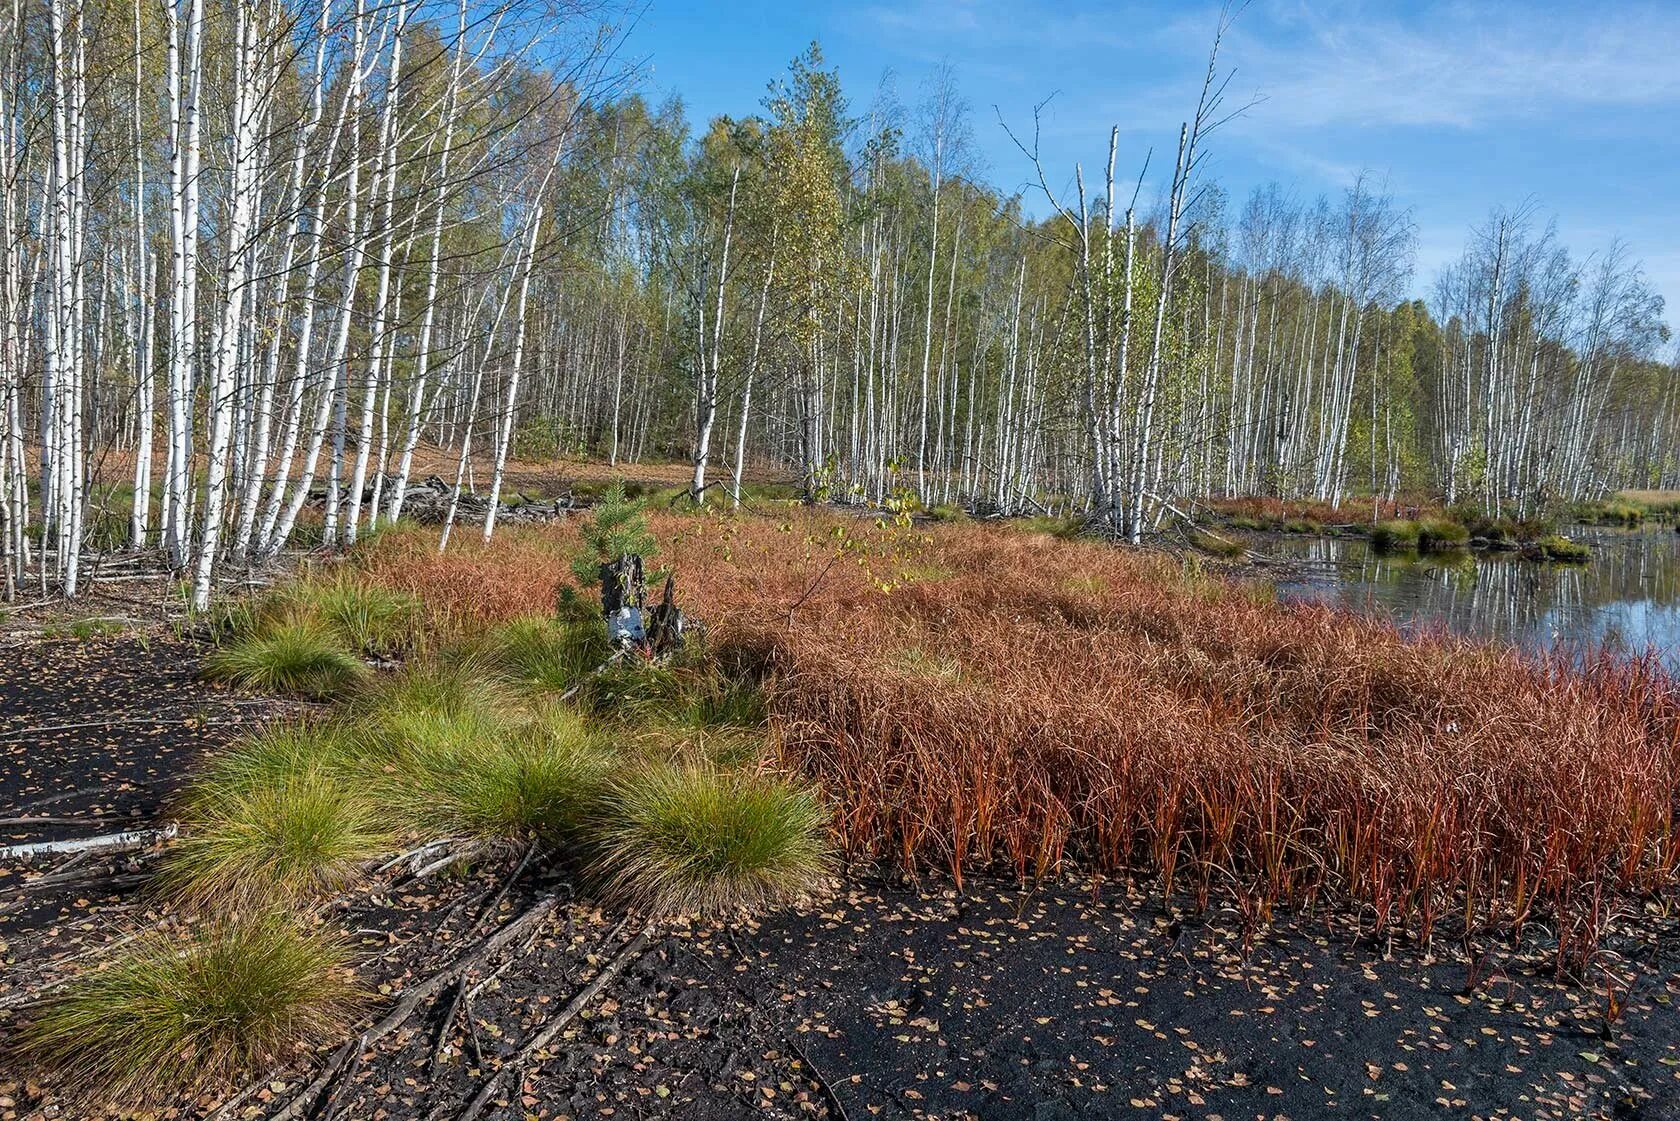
(618, 526)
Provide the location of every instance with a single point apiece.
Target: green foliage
(541, 438)
(808, 180)
(473, 776)
(165, 1018)
(276, 827)
(616, 526)
(1399, 536)
(1441, 535)
(691, 838)
(303, 657)
(548, 655)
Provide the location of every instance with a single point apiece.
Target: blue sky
(1458, 106)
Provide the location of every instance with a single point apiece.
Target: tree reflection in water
(1627, 599)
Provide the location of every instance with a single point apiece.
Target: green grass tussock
(1614, 511)
(480, 775)
(367, 618)
(1065, 528)
(455, 685)
(1425, 535)
(689, 695)
(946, 512)
(275, 831)
(1215, 545)
(277, 751)
(1394, 536)
(1554, 547)
(548, 655)
(166, 1018)
(1441, 535)
(688, 838)
(370, 618)
(301, 657)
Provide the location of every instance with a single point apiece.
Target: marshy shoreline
(991, 922)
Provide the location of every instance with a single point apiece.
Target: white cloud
(1458, 65)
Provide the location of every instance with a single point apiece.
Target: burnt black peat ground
(1060, 1000)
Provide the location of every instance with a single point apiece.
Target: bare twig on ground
(632, 951)
(449, 859)
(412, 998)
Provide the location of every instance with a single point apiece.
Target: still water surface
(1628, 598)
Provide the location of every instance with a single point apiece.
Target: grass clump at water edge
(1441, 535)
(1555, 547)
(1394, 536)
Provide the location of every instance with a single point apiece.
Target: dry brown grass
(1283, 512)
(1019, 701)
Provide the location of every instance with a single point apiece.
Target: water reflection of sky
(1628, 598)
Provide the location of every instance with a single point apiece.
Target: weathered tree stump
(623, 596)
(656, 633)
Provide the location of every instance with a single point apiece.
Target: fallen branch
(119, 722)
(828, 1093)
(335, 1096)
(495, 904)
(446, 1022)
(108, 842)
(632, 950)
(411, 999)
(448, 859)
(121, 786)
(584, 680)
(755, 1008)
(415, 855)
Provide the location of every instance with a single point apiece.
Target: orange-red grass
(1021, 701)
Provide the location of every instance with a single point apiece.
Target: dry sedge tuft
(167, 1017)
(694, 839)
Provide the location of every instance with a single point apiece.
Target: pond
(1626, 599)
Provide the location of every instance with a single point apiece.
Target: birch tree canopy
(263, 261)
